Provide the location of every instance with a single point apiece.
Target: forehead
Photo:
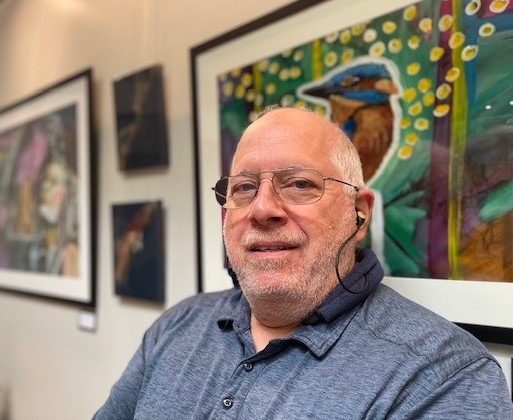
(285, 139)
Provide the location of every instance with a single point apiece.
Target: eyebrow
(248, 173)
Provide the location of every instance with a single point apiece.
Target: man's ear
(360, 217)
(363, 203)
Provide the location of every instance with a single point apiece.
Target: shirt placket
(233, 396)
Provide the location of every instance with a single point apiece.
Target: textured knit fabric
(357, 286)
(386, 357)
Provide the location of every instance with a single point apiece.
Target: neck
(276, 318)
(263, 332)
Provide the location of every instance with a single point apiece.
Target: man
(310, 334)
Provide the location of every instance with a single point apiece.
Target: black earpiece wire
(359, 222)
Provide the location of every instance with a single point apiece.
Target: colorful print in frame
(482, 306)
(47, 197)
(425, 94)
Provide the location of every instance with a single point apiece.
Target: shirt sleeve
(124, 395)
(125, 392)
(476, 392)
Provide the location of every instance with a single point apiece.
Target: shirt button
(227, 403)
(248, 366)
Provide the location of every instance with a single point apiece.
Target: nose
(267, 208)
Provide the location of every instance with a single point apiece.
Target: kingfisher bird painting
(425, 95)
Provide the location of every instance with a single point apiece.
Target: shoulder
(403, 323)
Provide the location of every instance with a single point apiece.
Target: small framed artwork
(47, 204)
(138, 251)
(141, 120)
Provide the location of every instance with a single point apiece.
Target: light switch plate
(87, 321)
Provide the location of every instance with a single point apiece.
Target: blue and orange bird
(359, 99)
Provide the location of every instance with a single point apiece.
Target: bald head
(306, 130)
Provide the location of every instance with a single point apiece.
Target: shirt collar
(358, 284)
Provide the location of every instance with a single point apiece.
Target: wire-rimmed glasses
(293, 186)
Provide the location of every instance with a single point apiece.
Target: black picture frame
(489, 322)
(49, 163)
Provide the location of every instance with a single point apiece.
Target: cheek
(231, 230)
(328, 225)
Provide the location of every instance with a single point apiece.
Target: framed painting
(139, 251)
(141, 120)
(424, 94)
(47, 193)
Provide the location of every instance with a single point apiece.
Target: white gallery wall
(50, 369)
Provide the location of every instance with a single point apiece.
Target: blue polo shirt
(380, 357)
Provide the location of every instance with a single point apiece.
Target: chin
(276, 283)
(264, 283)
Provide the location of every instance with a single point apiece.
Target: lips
(271, 247)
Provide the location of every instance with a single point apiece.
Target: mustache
(291, 238)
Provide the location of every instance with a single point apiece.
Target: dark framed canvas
(442, 149)
(141, 120)
(47, 193)
(138, 251)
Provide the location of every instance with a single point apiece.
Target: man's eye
(244, 187)
(302, 184)
(298, 183)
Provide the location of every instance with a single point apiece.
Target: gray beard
(314, 278)
(279, 300)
